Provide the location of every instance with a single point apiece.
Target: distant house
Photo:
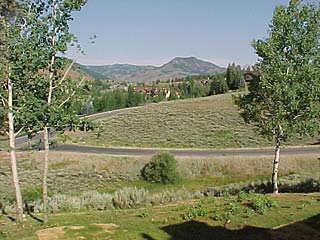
(250, 74)
(153, 92)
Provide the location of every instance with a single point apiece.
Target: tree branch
(72, 94)
(17, 133)
(66, 73)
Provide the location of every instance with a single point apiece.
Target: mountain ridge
(178, 67)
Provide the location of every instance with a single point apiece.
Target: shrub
(195, 211)
(31, 194)
(161, 169)
(218, 86)
(130, 197)
(260, 203)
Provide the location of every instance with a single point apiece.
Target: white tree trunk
(45, 174)
(12, 144)
(276, 168)
(46, 132)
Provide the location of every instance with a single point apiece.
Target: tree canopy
(285, 99)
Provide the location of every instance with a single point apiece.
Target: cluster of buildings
(153, 92)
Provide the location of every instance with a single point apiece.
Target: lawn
(210, 122)
(293, 216)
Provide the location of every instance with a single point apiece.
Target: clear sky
(152, 32)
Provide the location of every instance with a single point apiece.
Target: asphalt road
(186, 152)
(23, 141)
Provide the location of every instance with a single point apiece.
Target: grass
(288, 220)
(73, 173)
(210, 122)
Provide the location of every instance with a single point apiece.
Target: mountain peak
(178, 67)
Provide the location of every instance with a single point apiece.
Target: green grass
(210, 122)
(285, 221)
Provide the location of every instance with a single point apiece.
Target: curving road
(23, 140)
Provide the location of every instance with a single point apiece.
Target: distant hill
(177, 68)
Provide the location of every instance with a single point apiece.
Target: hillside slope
(176, 68)
(211, 122)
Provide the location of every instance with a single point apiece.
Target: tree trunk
(12, 144)
(45, 173)
(275, 168)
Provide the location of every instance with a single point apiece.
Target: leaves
(285, 98)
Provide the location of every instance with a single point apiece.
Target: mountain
(177, 68)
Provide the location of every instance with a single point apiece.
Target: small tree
(234, 76)
(218, 85)
(53, 90)
(161, 169)
(10, 45)
(285, 100)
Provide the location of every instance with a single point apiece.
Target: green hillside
(211, 122)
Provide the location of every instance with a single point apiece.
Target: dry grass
(74, 173)
(211, 122)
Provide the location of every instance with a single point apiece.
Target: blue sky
(152, 32)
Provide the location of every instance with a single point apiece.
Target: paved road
(23, 140)
(186, 152)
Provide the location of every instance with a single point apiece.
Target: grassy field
(73, 173)
(81, 184)
(293, 216)
(211, 122)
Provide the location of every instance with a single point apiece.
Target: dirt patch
(58, 233)
(51, 233)
(76, 227)
(108, 228)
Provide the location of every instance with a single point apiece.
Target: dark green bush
(31, 194)
(161, 169)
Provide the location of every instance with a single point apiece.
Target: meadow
(95, 196)
(209, 122)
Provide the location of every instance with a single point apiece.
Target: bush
(218, 86)
(260, 203)
(130, 198)
(195, 211)
(161, 169)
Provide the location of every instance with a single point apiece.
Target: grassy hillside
(211, 122)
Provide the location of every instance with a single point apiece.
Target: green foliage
(144, 214)
(31, 194)
(195, 211)
(285, 99)
(260, 203)
(218, 86)
(234, 76)
(161, 169)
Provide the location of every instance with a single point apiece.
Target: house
(153, 92)
(250, 74)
